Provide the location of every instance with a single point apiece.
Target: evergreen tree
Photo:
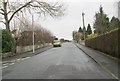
(114, 23)
(101, 24)
(7, 41)
(89, 31)
(80, 30)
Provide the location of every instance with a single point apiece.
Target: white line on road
(26, 58)
(18, 59)
(12, 64)
(51, 76)
(4, 66)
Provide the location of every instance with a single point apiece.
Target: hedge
(108, 43)
(7, 41)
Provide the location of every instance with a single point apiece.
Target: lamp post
(83, 24)
(5, 0)
(33, 34)
(119, 10)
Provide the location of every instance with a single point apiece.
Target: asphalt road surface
(66, 62)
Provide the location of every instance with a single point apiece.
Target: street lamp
(119, 10)
(83, 24)
(33, 33)
(5, 0)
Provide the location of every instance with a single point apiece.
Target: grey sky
(63, 27)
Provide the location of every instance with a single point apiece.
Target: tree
(77, 36)
(40, 7)
(7, 41)
(62, 40)
(89, 31)
(80, 30)
(101, 24)
(42, 36)
(114, 23)
(73, 34)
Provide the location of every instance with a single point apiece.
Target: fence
(108, 43)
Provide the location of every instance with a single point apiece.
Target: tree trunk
(7, 25)
(6, 16)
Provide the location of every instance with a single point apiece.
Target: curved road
(66, 62)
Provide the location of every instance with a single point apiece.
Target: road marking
(51, 76)
(18, 59)
(25, 58)
(4, 66)
(12, 64)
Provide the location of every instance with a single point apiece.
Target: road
(66, 62)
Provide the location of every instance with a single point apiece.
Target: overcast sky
(63, 27)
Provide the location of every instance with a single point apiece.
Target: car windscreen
(56, 40)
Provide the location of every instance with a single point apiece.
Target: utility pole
(83, 24)
(119, 10)
(33, 33)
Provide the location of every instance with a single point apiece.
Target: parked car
(56, 43)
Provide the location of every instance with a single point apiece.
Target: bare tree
(10, 9)
(42, 36)
(77, 37)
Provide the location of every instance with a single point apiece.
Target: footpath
(25, 55)
(108, 63)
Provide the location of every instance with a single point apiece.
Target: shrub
(91, 36)
(7, 41)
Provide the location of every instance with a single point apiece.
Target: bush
(7, 41)
(91, 36)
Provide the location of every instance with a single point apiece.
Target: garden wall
(23, 49)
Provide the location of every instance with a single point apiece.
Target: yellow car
(56, 43)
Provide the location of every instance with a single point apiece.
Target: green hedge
(108, 43)
(7, 41)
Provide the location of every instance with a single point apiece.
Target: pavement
(25, 55)
(108, 63)
(66, 62)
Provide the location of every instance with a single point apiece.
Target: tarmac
(24, 55)
(108, 63)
